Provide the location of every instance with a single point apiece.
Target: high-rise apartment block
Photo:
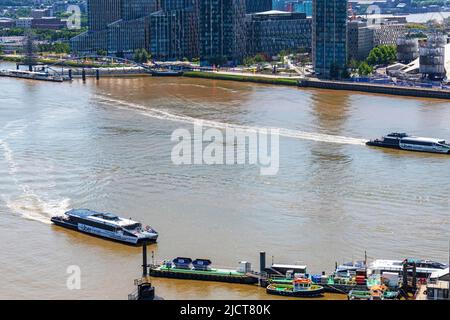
(175, 30)
(118, 27)
(253, 6)
(329, 37)
(222, 32)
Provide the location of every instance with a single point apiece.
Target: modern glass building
(100, 14)
(126, 36)
(222, 32)
(174, 30)
(303, 6)
(270, 33)
(330, 37)
(135, 9)
(118, 27)
(132, 31)
(253, 6)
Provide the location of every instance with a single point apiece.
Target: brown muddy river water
(107, 146)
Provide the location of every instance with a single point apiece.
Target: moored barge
(200, 269)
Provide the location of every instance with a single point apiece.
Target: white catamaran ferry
(406, 142)
(106, 225)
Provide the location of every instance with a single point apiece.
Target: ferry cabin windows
(418, 143)
(133, 226)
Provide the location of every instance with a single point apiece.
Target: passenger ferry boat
(404, 141)
(106, 225)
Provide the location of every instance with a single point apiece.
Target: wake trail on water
(29, 204)
(288, 133)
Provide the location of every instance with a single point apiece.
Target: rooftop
(440, 273)
(101, 217)
(273, 12)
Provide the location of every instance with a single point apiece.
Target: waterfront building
(279, 4)
(100, 14)
(363, 36)
(7, 23)
(118, 27)
(40, 13)
(407, 49)
(301, 6)
(253, 6)
(274, 31)
(136, 9)
(360, 40)
(24, 23)
(132, 31)
(48, 23)
(329, 38)
(434, 57)
(12, 45)
(222, 32)
(125, 36)
(175, 30)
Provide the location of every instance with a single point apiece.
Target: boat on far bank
(106, 225)
(31, 75)
(404, 141)
(166, 73)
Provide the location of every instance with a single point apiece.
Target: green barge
(185, 268)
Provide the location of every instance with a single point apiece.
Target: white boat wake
(288, 133)
(29, 204)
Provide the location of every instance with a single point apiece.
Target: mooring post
(405, 276)
(83, 75)
(414, 277)
(144, 259)
(262, 262)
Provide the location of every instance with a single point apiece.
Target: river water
(107, 146)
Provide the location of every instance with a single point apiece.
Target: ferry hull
(299, 294)
(382, 145)
(71, 226)
(203, 277)
(397, 147)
